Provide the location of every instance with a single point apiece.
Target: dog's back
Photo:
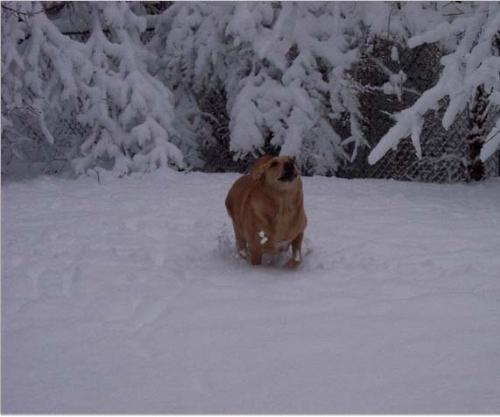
(238, 194)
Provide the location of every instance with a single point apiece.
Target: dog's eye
(274, 163)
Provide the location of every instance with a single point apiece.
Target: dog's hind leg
(241, 246)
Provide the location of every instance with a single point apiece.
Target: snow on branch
(473, 63)
(491, 143)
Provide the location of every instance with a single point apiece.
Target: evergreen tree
(105, 79)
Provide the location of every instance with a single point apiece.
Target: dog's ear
(260, 166)
(258, 171)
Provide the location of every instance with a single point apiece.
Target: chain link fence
(444, 152)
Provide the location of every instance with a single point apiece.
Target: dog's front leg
(256, 246)
(254, 255)
(296, 252)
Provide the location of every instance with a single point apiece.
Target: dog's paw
(292, 263)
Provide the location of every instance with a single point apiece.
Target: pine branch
(30, 14)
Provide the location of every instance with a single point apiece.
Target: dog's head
(280, 172)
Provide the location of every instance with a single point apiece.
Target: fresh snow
(394, 54)
(127, 296)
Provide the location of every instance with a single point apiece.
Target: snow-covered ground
(125, 296)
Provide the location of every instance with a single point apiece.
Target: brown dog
(267, 210)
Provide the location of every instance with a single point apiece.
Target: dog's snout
(288, 167)
(288, 173)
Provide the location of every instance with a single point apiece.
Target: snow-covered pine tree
(24, 131)
(296, 87)
(190, 59)
(106, 79)
(471, 74)
(131, 112)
